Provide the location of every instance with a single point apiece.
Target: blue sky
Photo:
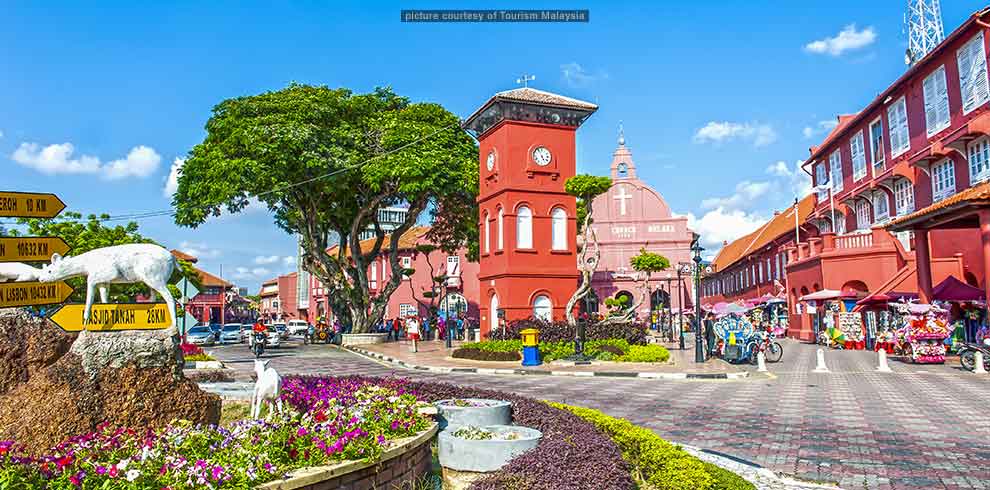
(96, 102)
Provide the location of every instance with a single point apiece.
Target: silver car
(200, 335)
(231, 333)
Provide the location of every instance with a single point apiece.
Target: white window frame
(840, 224)
(978, 157)
(374, 274)
(407, 310)
(821, 177)
(903, 197)
(558, 228)
(858, 153)
(881, 206)
(543, 308)
(835, 170)
(488, 233)
(943, 179)
(974, 87)
(406, 263)
(876, 147)
(453, 266)
(524, 227)
(863, 221)
(936, 97)
(898, 128)
(501, 228)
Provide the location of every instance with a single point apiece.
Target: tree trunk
(587, 265)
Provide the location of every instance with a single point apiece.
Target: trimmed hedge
(633, 333)
(662, 465)
(484, 355)
(603, 350)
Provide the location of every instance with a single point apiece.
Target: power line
(170, 212)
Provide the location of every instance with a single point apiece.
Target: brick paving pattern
(921, 427)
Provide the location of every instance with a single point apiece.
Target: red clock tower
(527, 223)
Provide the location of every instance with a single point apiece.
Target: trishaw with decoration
(738, 341)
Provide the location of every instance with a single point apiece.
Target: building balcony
(830, 245)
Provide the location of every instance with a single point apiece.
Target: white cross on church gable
(622, 197)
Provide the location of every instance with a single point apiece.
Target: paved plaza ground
(920, 427)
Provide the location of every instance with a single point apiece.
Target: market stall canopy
(878, 299)
(827, 294)
(952, 289)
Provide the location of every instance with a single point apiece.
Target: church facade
(630, 217)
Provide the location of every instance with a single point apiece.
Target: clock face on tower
(490, 161)
(542, 156)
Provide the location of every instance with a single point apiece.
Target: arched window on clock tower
(501, 233)
(488, 233)
(559, 229)
(524, 227)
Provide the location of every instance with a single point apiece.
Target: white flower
(132, 475)
(122, 465)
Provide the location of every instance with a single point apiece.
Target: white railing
(864, 240)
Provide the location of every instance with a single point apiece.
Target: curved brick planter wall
(408, 460)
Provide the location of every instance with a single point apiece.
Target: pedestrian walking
(425, 326)
(460, 326)
(441, 328)
(412, 331)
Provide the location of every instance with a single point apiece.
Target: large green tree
(325, 161)
(92, 232)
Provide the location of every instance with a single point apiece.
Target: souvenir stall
(880, 320)
(966, 306)
(925, 330)
(835, 326)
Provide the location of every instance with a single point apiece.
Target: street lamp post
(699, 352)
(680, 307)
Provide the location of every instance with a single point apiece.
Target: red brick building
(902, 190)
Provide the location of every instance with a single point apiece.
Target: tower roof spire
(622, 135)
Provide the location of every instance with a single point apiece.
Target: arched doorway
(659, 299)
(493, 313)
(452, 305)
(589, 304)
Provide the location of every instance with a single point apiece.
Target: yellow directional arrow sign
(113, 317)
(31, 249)
(29, 205)
(33, 293)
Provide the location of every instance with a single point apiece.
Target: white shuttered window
(936, 101)
(973, 83)
(858, 156)
(835, 166)
(979, 160)
(903, 197)
(900, 139)
(943, 180)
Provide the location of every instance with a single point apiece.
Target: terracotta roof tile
(535, 96)
(977, 193)
(210, 280)
(410, 239)
(775, 227)
(184, 256)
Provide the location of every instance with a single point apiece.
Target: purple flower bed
(573, 454)
(633, 333)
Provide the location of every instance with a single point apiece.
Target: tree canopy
(325, 161)
(649, 262)
(83, 235)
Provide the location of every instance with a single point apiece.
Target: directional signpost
(29, 205)
(113, 317)
(31, 249)
(33, 293)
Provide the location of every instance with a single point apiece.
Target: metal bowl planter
(485, 455)
(477, 412)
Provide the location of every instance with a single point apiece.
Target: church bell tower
(527, 223)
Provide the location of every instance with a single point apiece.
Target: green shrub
(495, 345)
(646, 353)
(660, 464)
(603, 355)
(725, 479)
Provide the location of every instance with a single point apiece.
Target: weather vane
(525, 80)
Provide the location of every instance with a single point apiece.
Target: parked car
(231, 333)
(298, 327)
(282, 330)
(200, 335)
(274, 337)
(216, 328)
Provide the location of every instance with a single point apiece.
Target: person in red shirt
(257, 328)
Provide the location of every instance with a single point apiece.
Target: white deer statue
(119, 264)
(268, 387)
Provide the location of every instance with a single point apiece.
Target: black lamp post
(685, 268)
(699, 350)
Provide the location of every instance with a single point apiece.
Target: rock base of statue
(123, 379)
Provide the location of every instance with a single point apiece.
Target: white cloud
(717, 132)
(576, 76)
(794, 180)
(57, 159)
(199, 250)
(821, 127)
(172, 182)
(1, 134)
(289, 260)
(746, 193)
(847, 39)
(723, 225)
(251, 273)
(266, 259)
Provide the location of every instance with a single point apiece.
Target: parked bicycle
(764, 342)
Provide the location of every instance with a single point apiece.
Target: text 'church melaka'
(528, 225)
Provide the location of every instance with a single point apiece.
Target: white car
(298, 327)
(274, 339)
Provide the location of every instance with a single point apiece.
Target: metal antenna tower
(923, 23)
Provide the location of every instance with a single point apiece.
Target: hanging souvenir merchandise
(927, 327)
